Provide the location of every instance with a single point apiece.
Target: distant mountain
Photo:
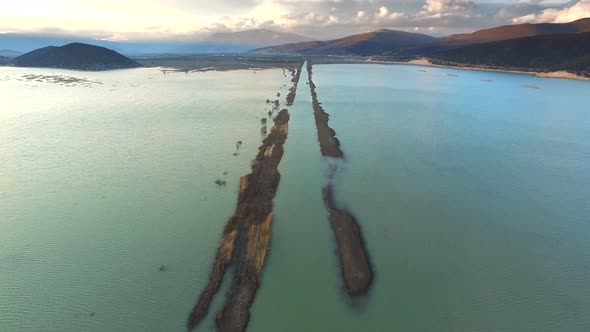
(554, 52)
(234, 42)
(9, 53)
(24, 43)
(4, 61)
(399, 43)
(75, 56)
(255, 38)
(516, 31)
(372, 43)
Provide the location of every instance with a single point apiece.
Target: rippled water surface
(474, 199)
(102, 183)
(472, 190)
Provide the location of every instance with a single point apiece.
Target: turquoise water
(473, 197)
(101, 185)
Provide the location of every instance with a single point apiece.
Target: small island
(76, 56)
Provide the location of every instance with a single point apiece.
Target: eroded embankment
(355, 264)
(246, 238)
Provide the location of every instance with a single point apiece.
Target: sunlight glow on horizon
(131, 16)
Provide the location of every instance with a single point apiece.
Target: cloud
(508, 13)
(295, 20)
(322, 19)
(572, 11)
(448, 6)
(383, 11)
(384, 15)
(230, 24)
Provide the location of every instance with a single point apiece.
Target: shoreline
(172, 70)
(424, 62)
(246, 238)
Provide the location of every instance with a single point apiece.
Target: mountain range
(548, 53)
(535, 47)
(379, 42)
(376, 42)
(234, 42)
(392, 42)
(517, 31)
(542, 47)
(9, 53)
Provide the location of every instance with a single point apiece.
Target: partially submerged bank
(247, 235)
(356, 268)
(196, 63)
(296, 73)
(355, 265)
(447, 64)
(329, 144)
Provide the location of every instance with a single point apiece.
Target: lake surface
(102, 185)
(473, 197)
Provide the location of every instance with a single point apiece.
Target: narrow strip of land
(356, 268)
(247, 235)
(329, 144)
(354, 261)
(296, 74)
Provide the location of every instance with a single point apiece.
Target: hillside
(516, 31)
(569, 52)
(75, 56)
(399, 43)
(376, 42)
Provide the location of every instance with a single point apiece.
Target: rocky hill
(372, 43)
(75, 56)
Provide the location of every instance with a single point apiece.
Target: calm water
(474, 199)
(101, 185)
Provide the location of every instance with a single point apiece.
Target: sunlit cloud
(194, 19)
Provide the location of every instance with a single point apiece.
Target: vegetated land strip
(356, 268)
(246, 237)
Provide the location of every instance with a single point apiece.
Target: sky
(140, 20)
